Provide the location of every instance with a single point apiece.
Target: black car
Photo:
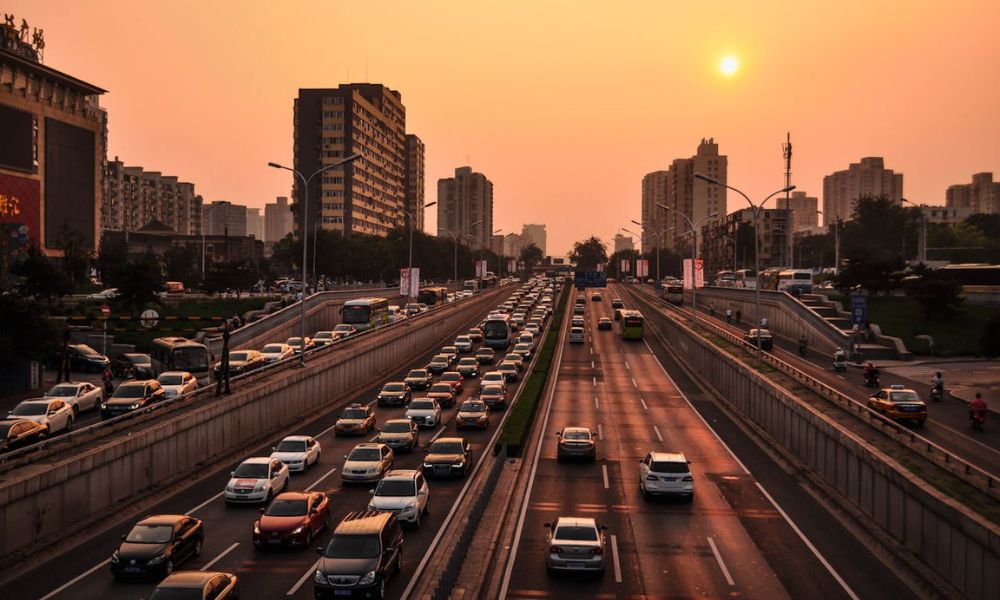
(617, 303)
(15, 433)
(241, 361)
(448, 456)
(395, 393)
(604, 323)
(131, 396)
(132, 365)
(157, 545)
(365, 550)
(84, 358)
(766, 341)
(197, 585)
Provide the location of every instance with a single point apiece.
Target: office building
(512, 245)
(534, 234)
(53, 140)
(463, 201)
(980, 196)
(654, 193)
(623, 243)
(413, 194)
(869, 177)
(255, 224)
(719, 250)
(497, 244)
(225, 218)
(367, 195)
(278, 220)
(134, 197)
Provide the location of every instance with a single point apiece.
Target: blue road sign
(859, 309)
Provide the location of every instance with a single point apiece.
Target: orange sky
(563, 104)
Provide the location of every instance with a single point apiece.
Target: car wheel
(76, 410)
(381, 589)
(69, 425)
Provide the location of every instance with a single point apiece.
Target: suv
(131, 396)
(665, 473)
(404, 493)
(365, 550)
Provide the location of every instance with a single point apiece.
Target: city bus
(769, 278)
(674, 292)
(631, 324)
(365, 313)
(795, 281)
(746, 278)
(432, 296)
(181, 354)
(496, 332)
(725, 279)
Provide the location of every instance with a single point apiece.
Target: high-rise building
(513, 244)
(654, 192)
(869, 177)
(53, 140)
(534, 234)
(804, 210)
(623, 243)
(980, 196)
(134, 197)
(720, 252)
(414, 180)
(463, 201)
(278, 221)
(497, 244)
(367, 195)
(685, 194)
(225, 218)
(255, 223)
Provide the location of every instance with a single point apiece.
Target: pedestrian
(729, 315)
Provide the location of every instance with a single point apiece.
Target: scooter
(840, 363)
(936, 393)
(977, 418)
(871, 379)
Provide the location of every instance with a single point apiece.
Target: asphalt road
(83, 572)
(732, 540)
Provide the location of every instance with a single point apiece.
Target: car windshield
(365, 454)
(86, 350)
(513, 357)
(507, 366)
(522, 347)
(393, 387)
(440, 358)
(492, 390)
(446, 448)
(669, 467)
(451, 377)
(353, 546)
(272, 348)
(576, 435)
(417, 373)
(441, 387)
(294, 341)
(576, 533)
(30, 409)
(343, 328)
(463, 339)
(240, 356)
(422, 404)
(396, 428)
(473, 407)
(150, 534)
(138, 359)
(906, 396)
(354, 413)
(323, 335)
(251, 471)
(467, 362)
(193, 357)
(494, 375)
(291, 446)
(484, 351)
(171, 379)
(62, 391)
(396, 487)
(130, 391)
(287, 508)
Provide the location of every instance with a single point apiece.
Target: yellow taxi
(357, 419)
(899, 403)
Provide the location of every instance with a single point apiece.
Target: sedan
(84, 358)
(132, 365)
(394, 393)
(451, 351)
(476, 334)
(463, 343)
(17, 433)
(899, 403)
(357, 419)
(257, 479)
(495, 377)
(485, 356)
(105, 294)
(524, 350)
(418, 379)
(448, 456)
(241, 361)
(81, 395)
(274, 352)
(473, 413)
(424, 412)
(604, 323)
(177, 383)
(575, 544)
(322, 338)
(53, 413)
(368, 461)
(399, 434)
(468, 367)
(156, 545)
(577, 442)
(292, 519)
(439, 364)
(297, 451)
(766, 341)
(344, 330)
(509, 370)
(296, 344)
(131, 396)
(443, 394)
(454, 378)
(197, 585)
(493, 395)
(577, 322)
(515, 358)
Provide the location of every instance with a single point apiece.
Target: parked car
(448, 456)
(257, 479)
(17, 432)
(297, 452)
(198, 585)
(368, 461)
(575, 544)
(292, 519)
(156, 545)
(394, 393)
(132, 396)
(399, 434)
(357, 419)
(425, 412)
(177, 383)
(366, 549)
(81, 395)
(82, 357)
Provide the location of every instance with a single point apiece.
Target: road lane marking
(600, 432)
(219, 557)
(718, 559)
(592, 366)
(303, 579)
(73, 581)
(597, 403)
(591, 349)
(657, 430)
(438, 434)
(614, 558)
(604, 470)
(203, 504)
(627, 368)
(595, 380)
(644, 407)
(634, 384)
(315, 483)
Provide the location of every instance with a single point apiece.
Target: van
(576, 335)
(365, 550)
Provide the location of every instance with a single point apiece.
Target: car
(463, 343)
(17, 433)
(130, 396)
(357, 419)
(394, 393)
(509, 370)
(485, 356)
(475, 334)
(473, 413)
(399, 434)
(255, 480)
(595, 297)
(494, 377)
(493, 395)
(577, 322)
(423, 307)
(105, 294)
(454, 378)
(425, 412)
(411, 309)
(55, 414)
(418, 379)
(344, 330)
(367, 462)
(766, 341)
(468, 367)
(448, 456)
(82, 357)
(298, 452)
(527, 338)
(366, 549)
(515, 358)
(241, 361)
(322, 338)
(516, 321)
(439, 363)
(618, 314)
(198, 585)
(132, 365)
(604, 324)
(176, 383)
(665, 473)
(292, 519)
(451, 351)
(404, 493)
(575, 544)
(524, 349)
(576, 442)
(296, 344)
(533, 328)
(272, 353)
(156, 545)
(443, 394)
(81, 395)
(579, 309)
(617, 303)
(899, 403)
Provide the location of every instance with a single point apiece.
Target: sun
(729, 65)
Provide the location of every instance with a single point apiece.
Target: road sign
(859, 309)
(149, 318)
(586, 279)
(105, 310)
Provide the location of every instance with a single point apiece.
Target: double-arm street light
(456, 234)
(659, 236)
(638, 254)
(694, 254)
(409, 271)
(305, 234)
(756, 208)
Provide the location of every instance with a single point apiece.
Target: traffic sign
(149, 318)
(105, 310)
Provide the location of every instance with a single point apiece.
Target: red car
(444, 393)
(493, 395)
(454, 378)
(292, 519)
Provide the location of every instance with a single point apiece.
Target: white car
(404, 493)
(324, 337)
(532, 328)
(106, 294)
(81, 395)
(495, 377)
(369, 461)
(667, 473)
(297, 452)
(275, 352)
(463, 343)
(576, 335)
(257, 479)
(424, 412)
(54, 413)
(176, 383)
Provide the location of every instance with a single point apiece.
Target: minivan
(576, 335)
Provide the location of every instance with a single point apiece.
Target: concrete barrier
(44, 501)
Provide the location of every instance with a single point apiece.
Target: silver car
(576, 544)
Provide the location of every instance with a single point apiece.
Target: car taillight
(651, 478)
(596, 551)
(555, 550)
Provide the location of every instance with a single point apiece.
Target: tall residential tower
(464, 200)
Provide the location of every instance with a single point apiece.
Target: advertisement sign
(624, 268)
(409, 282)
(20, 212)
(414, 282)
(404, 282)
(480, 268)
(642, 267)
(511, 265)
(699, 273)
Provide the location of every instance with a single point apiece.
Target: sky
(564, 105)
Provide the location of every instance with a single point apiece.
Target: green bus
(630, 325)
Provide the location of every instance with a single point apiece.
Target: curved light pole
(409, 268)
(694, 254)
(455, 234)
(659, 236)
(756, 208)
(305, 234)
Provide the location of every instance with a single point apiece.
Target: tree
(614, 264)
(41, 278)
(872, 274)
(112, 260)
(937, 295)
(76, 258)
(181, 264)
(588, 254)
(25, 333)
(141, 279)
(531, 255)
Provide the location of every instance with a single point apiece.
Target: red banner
(20, 211)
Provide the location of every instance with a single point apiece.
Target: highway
(83, 571)
(750, 530)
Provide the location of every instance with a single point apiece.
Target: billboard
(480, 268)
(699, 270)
(511, 265)
(70, 166)
(409, 282)
(585, 279)
(642, 267)
(20, 211)
(624, 268)
(19, 148)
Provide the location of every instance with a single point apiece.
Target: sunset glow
(729, 65)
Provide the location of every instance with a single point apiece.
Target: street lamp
(455, 234)
(305, 234)
(409, 270)
(659, 235)
(922, 240)
(756, 208)
(694, 254)
(836, 243)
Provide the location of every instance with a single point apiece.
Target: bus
(496, 332)
(470, 285)
(365, 313)
(432, 296)
(795, 281)
(181, 354)
(746, 278)
(769, 278)
(674, 293)
(725, 279)
(630, 325)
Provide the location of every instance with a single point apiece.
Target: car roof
(161, 519)
(450, 439)
(568, 429)
(37, 401)
(577, 521)
(257, 460)
(295, 438)
(368, 445)
(135, 382)
(362, 522)
(407, 421)
(394, 382)
(174, 373)
(293, 496)
(401, 474)
(187, 579)
(898, 389)
(668, 456)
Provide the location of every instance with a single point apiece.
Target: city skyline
(903, 101)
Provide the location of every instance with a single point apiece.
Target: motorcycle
(937, 393)
(840, 363)
(871, 379)
(977, 418)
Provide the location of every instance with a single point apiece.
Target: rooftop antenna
(786, 149)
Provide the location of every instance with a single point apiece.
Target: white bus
(746, 278)
(496, 332)
(181, 354)
(365, 313)
(725, 279)
(795, 281)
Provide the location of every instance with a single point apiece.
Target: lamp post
(694, 254)
(409, 268)
(637, 254)
(305, 234)
(756, 208)
(922, 239)
(455, 234)
(659, 234)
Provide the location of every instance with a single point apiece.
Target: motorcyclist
(839, 356)
(977, 407)
(937, 384)
(871, 373)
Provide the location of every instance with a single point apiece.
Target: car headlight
(256, 528)
(410, 507)
(368, 579)
(259, 487)
(428, 466)
(459, 464)
(134, 405)
(104, 406)
(156, 560)
(319, 577)
(298, 530)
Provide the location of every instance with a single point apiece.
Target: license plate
(273, 541)
(574, 564)
(341, 592)
(132, 570)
